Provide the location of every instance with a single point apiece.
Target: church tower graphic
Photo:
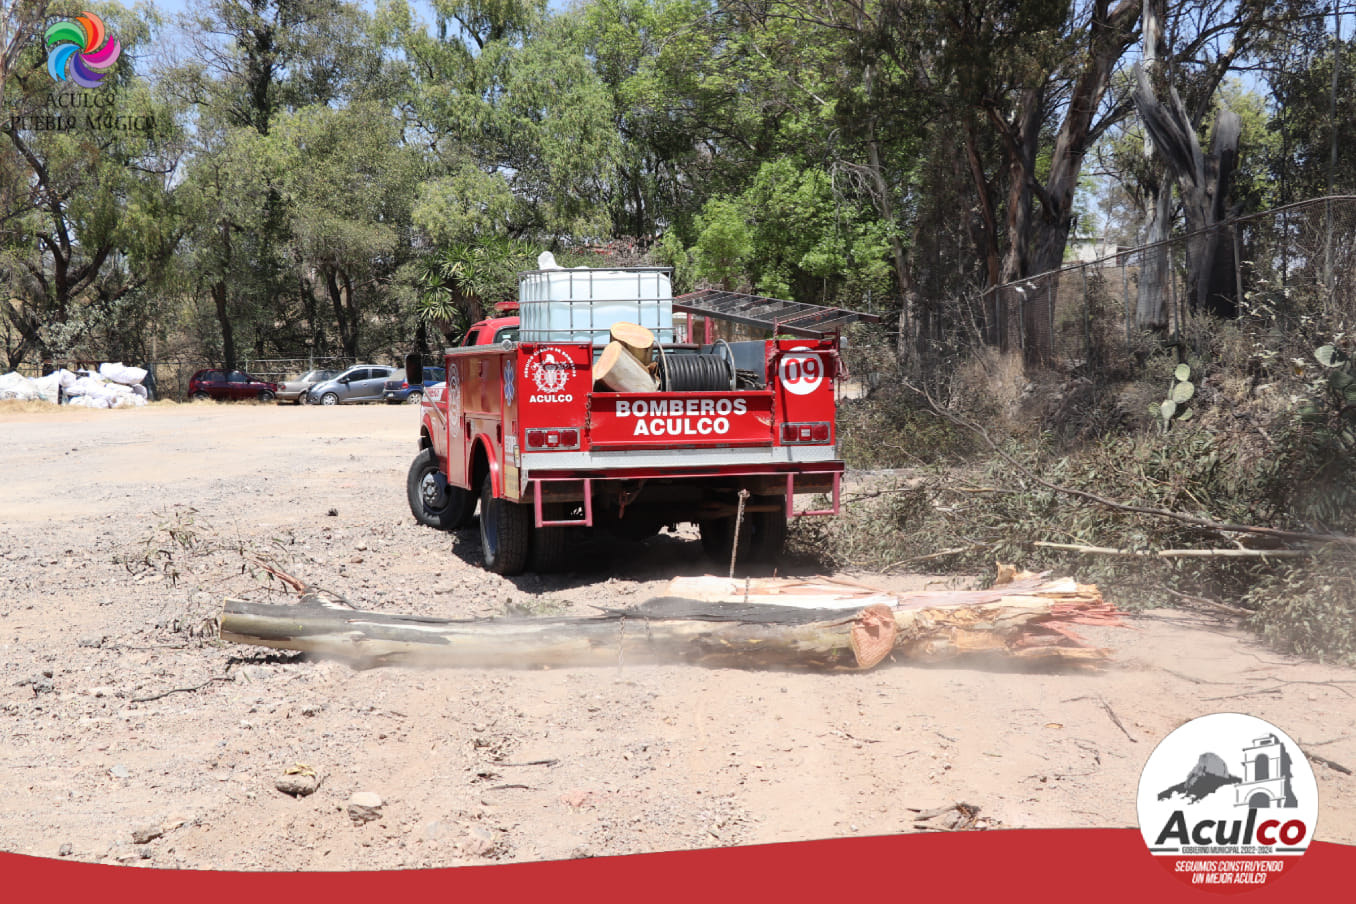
(1266, 776)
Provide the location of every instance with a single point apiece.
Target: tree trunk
(637, 340)
(845, 627)
(907, 341)
(1022, 143)
(1203, 185)
(348, 331)
(1151, 305)
(618, 370)
(355, 319)
(219, 300)
(1110, 34)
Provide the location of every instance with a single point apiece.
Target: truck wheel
(549, 550)
(718, 537)
(432, 501)
(761, 537)
(768, 534)
(505, 532)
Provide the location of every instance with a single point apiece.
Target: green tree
(513, 123)
(88, 223)
(251, 62)
(1314, 118)
(346, 182)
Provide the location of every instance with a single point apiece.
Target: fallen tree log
(618, 370)
(848, 626)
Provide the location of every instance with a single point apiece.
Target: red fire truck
(731, 436)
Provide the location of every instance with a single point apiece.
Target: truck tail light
(553, 439)
(812, 432)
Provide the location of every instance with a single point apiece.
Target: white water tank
(580, 305)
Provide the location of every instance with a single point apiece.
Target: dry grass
(39, 407)
(20, 406)
(991, 387)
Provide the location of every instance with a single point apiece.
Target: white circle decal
(800, 372)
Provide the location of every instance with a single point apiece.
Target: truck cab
(491, 331)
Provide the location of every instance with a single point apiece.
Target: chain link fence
(279, 370)
(1276, 266)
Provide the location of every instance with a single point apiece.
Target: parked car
(398, 389)
(229, 386)
(360, 383)
(295, 390)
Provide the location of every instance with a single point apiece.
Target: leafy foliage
(1308, 611)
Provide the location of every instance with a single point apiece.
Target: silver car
(360, 383)
(294, 390)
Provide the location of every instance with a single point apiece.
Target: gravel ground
(129, 734)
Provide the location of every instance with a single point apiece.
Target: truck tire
(549, 550)
(432, 501)
(718, 537)
(505, 532)
(768, 536)
(761, 537)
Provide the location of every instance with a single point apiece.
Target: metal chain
(739, 522)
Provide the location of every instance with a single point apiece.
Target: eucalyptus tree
(512, 120)
(1315, 121)
(19, 24)
(87, 223)
(249, 62)
(347, 186)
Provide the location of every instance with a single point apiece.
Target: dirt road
(121, 720)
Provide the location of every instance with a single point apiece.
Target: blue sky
(171, 7)
(174, 7)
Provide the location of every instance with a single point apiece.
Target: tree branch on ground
(1222, 527)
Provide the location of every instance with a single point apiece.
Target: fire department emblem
(549, 369)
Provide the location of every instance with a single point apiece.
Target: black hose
(695, 373)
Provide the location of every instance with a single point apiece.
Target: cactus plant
(1174, 406)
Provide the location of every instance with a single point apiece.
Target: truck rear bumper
(697, 461)
(797, 471)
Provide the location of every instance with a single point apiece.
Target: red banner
(1054, 865)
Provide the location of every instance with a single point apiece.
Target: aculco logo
(1227, 800)
(80, 50)
(549, 369)
(1232, 831)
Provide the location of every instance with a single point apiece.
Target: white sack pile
(112, 386)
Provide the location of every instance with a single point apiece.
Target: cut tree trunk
(824, 623)
(618, 370)
(636, 339)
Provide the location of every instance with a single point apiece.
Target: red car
(229, 386)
